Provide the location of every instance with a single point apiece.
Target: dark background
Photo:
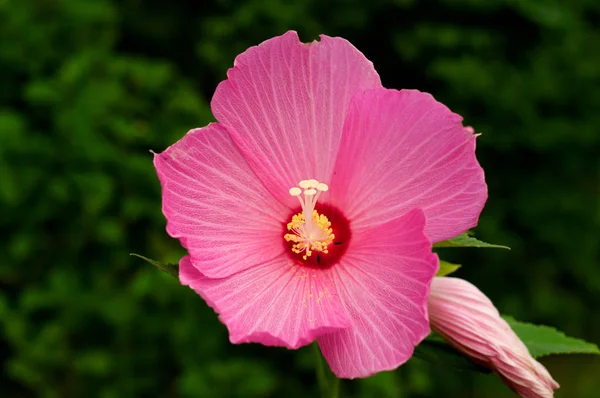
(87, 87)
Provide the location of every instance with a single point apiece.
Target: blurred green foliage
(88, 87)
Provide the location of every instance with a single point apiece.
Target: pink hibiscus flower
(309, 209)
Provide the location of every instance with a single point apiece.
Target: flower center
(310, 231)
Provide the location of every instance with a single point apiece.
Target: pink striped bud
(468, 320)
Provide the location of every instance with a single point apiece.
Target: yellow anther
(317, 238)
(310, 231)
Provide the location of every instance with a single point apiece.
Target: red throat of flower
(316, 238)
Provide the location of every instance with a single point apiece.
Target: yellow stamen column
(310, 231)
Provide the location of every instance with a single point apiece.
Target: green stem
(328, 384)
(334, 388)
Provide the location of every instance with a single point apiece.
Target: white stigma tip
(322, 187)
(295, 191)
(310, 192)
(313, 183)
(304, 184)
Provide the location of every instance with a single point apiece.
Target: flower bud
(468, 320)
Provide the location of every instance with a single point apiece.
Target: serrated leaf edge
(475, 243)
(171, 269)
(594, 350)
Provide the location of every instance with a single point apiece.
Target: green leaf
(436, 350)
(545, 340)
(464, 240)
(447, 268)
(171, 269)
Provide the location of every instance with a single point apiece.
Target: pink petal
(276, 303)
(285, 102)
(216, 206)
(403, 150)
(465, 317)
(383, 283)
